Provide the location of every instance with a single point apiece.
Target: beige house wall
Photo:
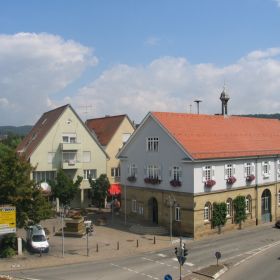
(115, 145)
(70, 123)
(192, 208)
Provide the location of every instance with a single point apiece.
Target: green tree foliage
(16, 188)
(64, 188)
(12, 140)
(219, 215)
(239, 204)
(100, 188)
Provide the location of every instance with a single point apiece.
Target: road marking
(162, 255)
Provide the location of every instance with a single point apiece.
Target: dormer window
(69, 138)
(152, 144)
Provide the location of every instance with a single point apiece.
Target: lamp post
(171, 202)
(62, 228)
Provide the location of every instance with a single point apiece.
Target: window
(229, 170)
(278, 167)
(208, 173)
(69, 138)
(248, 202)
(70, 157)
(125, 137)
(134, 206)
(43, 176)
(249, 169)
(89, 173)
(51, 157)
(152, 144)
(115, 172)
(207, 212)
(229, 207)
(175, 173)
(141, 209)
(153, 172)
(278, 197)
(265, 169)
(132, 170)
(86, 156)
(177, 213)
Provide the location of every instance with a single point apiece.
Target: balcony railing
(70, 146)
(71, 164)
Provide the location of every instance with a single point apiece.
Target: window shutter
(262, 168)
(147, 144)
(278, 167)
(253, 168)
(203, 174)
(226, 168)
(170, 173)
(159, 172)
(269, 167)
(213, 172)
(245, 173)
(180, 172)
(233, 169)
(146, 171)
(129, 170)
(135, 170)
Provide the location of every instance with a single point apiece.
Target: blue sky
(132, 57)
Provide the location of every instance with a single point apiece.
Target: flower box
(210, 183)
(231, 180)
(131, 178)
(175, 183)
(153, 181)
(250, 178)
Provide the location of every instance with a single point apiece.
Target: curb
(209, 275)
(219, 273)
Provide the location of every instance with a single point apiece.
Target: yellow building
(60, 139)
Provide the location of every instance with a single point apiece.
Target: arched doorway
(153, 210)
(266, 206)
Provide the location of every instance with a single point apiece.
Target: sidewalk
(108, 241)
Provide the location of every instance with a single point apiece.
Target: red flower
(250, 178)
(175, 183)
(153, 181)
(231, 180)
(210, 183)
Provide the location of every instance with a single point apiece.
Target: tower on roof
(224, 98)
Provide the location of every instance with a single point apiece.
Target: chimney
(224, 98)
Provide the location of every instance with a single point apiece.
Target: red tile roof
(105, 127)
(39, 131)
(216, 136)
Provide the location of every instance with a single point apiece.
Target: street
(238, 247)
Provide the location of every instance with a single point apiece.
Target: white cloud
(172, 84)
(152, 41)
(32, 68)
(278, 2)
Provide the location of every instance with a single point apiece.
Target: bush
(9, 241)
(7, 252)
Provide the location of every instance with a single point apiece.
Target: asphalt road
(237, 247)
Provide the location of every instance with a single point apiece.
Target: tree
(16, 188)
(12, 140)
(239, 204)
(100, 188)
(64, 188)
(219, 215)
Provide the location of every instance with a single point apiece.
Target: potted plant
(153, 181)
(210, 183)
(175, 183)
(131, 178)
(250, 178)
(231, 180)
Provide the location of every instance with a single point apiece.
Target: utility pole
(171, 202)
(181, 254)
(62, 229)
(197, 101)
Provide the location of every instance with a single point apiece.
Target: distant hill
(264, 116)
(17, 130)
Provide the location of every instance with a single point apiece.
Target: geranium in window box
(131, 178)
(153, 181)
(210, 183)
(231, 180)
(250, 178)
(175, 183)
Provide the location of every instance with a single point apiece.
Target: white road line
(162, 255)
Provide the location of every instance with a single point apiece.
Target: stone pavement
(108, 241)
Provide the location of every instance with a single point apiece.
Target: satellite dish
(46, 188)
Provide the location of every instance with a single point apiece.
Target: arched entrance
(153, 210)
(266, 206)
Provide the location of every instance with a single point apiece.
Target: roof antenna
(190, 108)
(197, 101)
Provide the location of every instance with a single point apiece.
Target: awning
(115, 189)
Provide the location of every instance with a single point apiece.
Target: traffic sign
(167, 277)
(181, 259)
(218, 255)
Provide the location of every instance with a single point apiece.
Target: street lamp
(62, 228)
(171, 203)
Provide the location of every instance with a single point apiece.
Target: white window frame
(125, 137)
(229, 170)
(248, 204)
(229, 207)
(175, 173)
(152, 144)
(86, 156)
(278, 167)
(133, 206)
(208, 173)
(115, 171)
(177, 214)
(278, 198)
(132, 170)
(153, 171)
(207, 212)
(69, 138)
(141, 208)
(43, 176)
(249, 169)
(90, 173)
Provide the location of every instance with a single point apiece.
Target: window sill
(206, 222)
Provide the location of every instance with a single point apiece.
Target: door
(266, 206)
(153, 210)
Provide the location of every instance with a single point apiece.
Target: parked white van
(36, 239)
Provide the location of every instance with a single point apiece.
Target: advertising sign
(7, 219)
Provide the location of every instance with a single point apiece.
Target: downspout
(256, 188)
(276, 186)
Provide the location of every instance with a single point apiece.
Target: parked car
(36, 239)
(277, 224)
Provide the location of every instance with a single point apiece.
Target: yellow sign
(7, 219)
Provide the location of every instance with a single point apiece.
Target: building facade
(61, 140)
(183, 163)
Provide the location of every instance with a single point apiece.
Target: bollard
(154, 240)
(137, 243)
(118, 245)
(53, 229)
(97, 247)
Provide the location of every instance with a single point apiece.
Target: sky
(110, 57)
